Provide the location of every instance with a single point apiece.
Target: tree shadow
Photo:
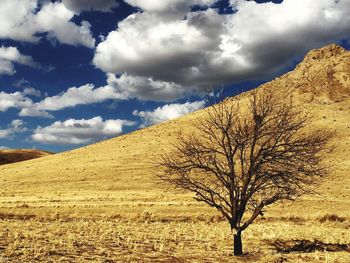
(307, 246)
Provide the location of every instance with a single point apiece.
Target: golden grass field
(102, 203)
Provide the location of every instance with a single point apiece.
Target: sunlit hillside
(102, 202)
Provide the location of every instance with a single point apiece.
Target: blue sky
(74, 72)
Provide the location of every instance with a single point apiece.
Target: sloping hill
(19, 155)
(122, 168)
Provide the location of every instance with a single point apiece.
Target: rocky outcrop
(322, 77)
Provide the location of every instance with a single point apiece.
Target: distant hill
(18, 155)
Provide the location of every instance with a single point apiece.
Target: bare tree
(242, 158)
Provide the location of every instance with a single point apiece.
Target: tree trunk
(237, 244)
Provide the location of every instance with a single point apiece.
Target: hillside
(19, 155)
(321, 83)
(86, 194)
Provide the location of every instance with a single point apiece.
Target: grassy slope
(114, 178)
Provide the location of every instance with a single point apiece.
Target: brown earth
(19, 155)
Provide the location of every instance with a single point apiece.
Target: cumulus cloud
(83, 95)
(32, 18)
(165, 50)
(16, 126)
(90, 5)
(13, 100)
(145, 88)
(20, 100)
(79, 131)
(11, 55)
(168, 112)
(207, 49)
(86, 94)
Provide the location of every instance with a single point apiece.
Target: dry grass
(64, 234)
(331, 218)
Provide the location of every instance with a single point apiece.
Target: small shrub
(331, 218)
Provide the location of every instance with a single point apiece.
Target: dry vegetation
(101, 204)
(186, 233)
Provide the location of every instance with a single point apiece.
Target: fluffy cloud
(13, 100)
(79, 131)
(52, 18)
(146, 45)
(74, 96)
(6, 67)
(31, 111)
(16, 126)
(168, 112)
(86, 94)
(90, 5)
(145, 88)
(11, 55)
(20, 100)
(209, 49)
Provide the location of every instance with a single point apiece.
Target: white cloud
(32, 92)
(145, 88)
(13, 100)
(11, 55)
(74, 96)
(146, 45)
(209, 49)
(16, 126)
(52, 18)
(31, 111)
(3, 147)
(79, 131)
(6, 67)
(4, 133)
(168, 112)
(20, 100)
(90, 5)
(86, 94)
